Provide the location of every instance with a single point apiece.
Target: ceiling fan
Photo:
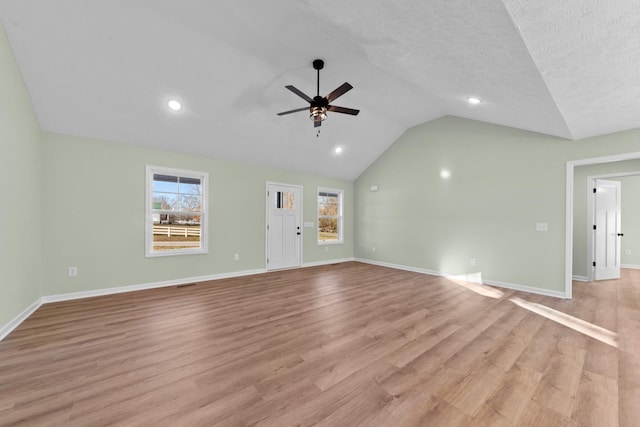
(318, 105)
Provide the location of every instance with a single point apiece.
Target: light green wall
(94, 216)
(503, 181)
(630, 198)
(20, 192)
(630, 221)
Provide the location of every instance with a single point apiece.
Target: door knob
(620, 234)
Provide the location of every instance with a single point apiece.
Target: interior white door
(284, 233)
(607, 229)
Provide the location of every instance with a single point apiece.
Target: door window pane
(285, 200)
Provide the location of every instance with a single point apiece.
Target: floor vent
(185, 285)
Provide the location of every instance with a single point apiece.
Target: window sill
(175, 252)
(328, 243)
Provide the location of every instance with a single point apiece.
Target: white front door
(607, 229)
(284, 233)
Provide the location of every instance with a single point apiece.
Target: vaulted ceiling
(105, 69)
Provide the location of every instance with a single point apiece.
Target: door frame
(266, 221)
(569, 187)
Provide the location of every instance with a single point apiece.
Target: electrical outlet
(373, 248)
(472, 261)
(73, 271)
(542, 226)
(236, 257)
(627, 251)
(326, 248)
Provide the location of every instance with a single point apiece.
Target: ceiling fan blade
(339, 92)
(299, 93)
(294, 111)
(317, 124)
(343, 110)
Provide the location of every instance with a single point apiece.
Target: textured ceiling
(104, 69)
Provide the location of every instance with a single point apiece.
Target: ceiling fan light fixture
(318, 114)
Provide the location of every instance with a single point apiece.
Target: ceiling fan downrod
(318, 64)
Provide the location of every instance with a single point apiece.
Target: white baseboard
(635, 267)
(327, 262)
(6, 329)
(470, 278)
(152, 285)
(9, 327)
(399, 267)
(580, 278)
(528, 289)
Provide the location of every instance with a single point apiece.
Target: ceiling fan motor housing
(319, 101)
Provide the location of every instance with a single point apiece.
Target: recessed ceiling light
(473, 100)
(174, 104)
(338, 150)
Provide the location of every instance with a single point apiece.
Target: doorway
(569, 211)
(284, 232)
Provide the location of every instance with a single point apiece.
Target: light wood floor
(344, 345)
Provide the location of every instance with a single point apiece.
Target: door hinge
(267, 226)
(594, 263)
(267, 260)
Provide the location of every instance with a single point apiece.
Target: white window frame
(340, 216)
(204, 214)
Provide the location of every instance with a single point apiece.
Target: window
(176, 214)
(329, 216)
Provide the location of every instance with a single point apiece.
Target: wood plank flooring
(343, 345)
